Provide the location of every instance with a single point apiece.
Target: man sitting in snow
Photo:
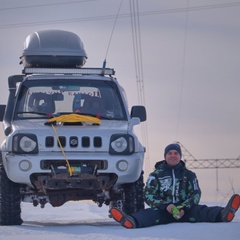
(173, 194)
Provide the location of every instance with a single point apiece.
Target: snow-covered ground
(85, 220)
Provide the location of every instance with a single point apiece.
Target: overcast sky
(190, 57)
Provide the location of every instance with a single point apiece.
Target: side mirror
(2, 112)
(139, 112)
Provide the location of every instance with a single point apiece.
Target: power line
(45, 5)
(183, 70)
(198, 8)
(137, 49)
(212, 6)
(126, 15)
(83, 19)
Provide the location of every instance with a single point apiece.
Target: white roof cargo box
(53, 48)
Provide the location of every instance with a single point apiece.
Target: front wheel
(10, 200)
(133, 199)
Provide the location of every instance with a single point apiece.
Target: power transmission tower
(193, 163)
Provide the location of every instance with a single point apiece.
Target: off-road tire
(10, 200)
(133, 199)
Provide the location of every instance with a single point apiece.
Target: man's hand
(179, 214)
(170, 207)
(175, 211)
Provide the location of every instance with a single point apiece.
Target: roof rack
(83, 71)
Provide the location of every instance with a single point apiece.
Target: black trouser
(199, 213)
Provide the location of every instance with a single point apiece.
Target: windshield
(51, 97)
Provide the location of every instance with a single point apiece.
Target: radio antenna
(105, 60)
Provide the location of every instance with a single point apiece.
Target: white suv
(69, 134)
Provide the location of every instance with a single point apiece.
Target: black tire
(10, 200)
(133, 199)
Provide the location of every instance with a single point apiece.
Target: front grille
(85, 142)
(85, 165)
(97, 141)
(74, 142)
(62, 140)
(49, 141)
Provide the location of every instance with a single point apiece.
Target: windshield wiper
(37, 113)
(99, 115)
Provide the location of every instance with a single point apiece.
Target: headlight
(122, 144)
(25, 143)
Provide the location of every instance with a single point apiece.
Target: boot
(228, 213)
(125, 220)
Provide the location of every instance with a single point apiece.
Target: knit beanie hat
(173, 146)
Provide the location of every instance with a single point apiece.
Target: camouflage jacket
(176, 185)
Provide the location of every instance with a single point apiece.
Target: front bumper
(22, 168)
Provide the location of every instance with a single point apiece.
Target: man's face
(173, 158)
